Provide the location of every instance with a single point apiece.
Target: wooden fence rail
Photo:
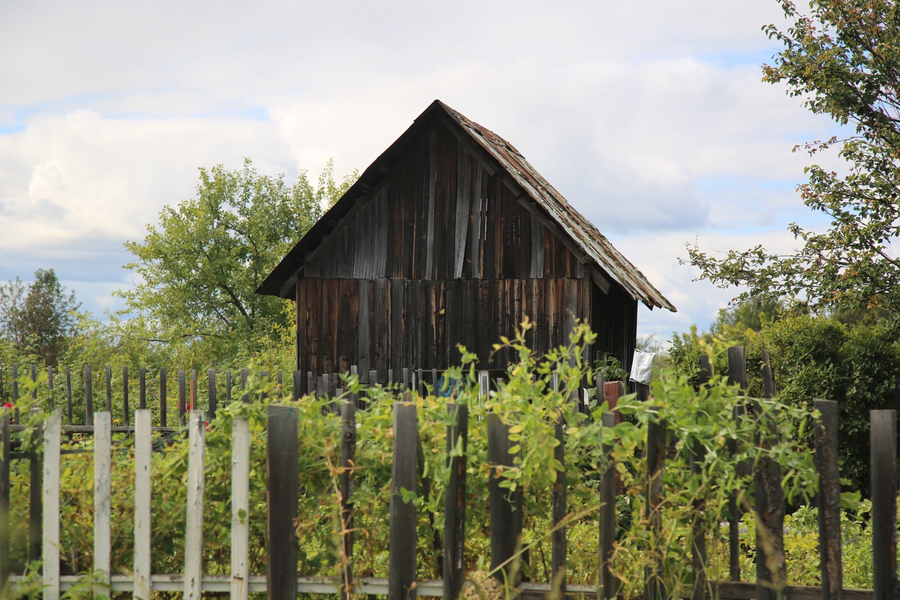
(282, 579)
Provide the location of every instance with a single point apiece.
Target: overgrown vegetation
(527, 403)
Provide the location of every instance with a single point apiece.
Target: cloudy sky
(649, 116)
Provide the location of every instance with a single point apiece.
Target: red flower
(8, 405)
(188, 407)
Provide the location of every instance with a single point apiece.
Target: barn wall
(441, 215)
(443, 253)
(392, 323)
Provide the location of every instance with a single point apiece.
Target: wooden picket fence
(282, 579)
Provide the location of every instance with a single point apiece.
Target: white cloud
(648, 116)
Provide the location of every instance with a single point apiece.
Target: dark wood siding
(443, 253)
(420, 324)
(467, 225)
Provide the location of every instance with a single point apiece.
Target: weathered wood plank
(463, 204)
(4, 496)
(402, 568)
(656, 457)
(196, 484)
(88, 395)
(364, 317)
(432, 173)
(142, 491)
(608, 581)
(505, 524)
(826, 459)
(163, 380)
(240, 509)
(102, 495)
(348, 462)
(883, 456)
(283, 498)
(50, 549)
(125, 408)
(455, 501)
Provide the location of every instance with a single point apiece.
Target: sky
(649, 116)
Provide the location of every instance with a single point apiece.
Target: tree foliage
(38, 317)
(199, 268)
(842, 57)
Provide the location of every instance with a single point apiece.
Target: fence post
(68, 395)
(108, 382)
(608, 583)
(193, 530)
(506, 526)
(142, 388)
(125, 408)
(240, 508)
(281, 449)
(163, 401)
(656, 459)
(698, 535)
(558, 537)
(826, 457)
(142, 491)
(771, 576)
(36, 499)
(182, 392)
(348, 463)
(402, 568)
(89, 395)
(50, 550)
(102, 495)
(4, 496)
(211, 395)
(883, 457)
(737, 375)
(455, 501)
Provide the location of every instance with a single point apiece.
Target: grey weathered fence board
(608, 582)
(826, 457)
(883, 454)
(348, 462)
(283, 501)
(402, 568)
(455, 501)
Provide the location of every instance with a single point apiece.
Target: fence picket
(108, 381)
(240, 509)
(402, 566)
(88, 396)
(125, 407)
(826, 457)
(213, 400)
(737, 375)
(281, 449)
(656, 459)
(142, 387)
(348, 462)
(142, 491)
(883, 456)
(163, 401)
(608, 582)
(558, 549)
(36, 499)
(193, 538)
(182, 397)
(4, 496)
(102, 494)
(50, 550)
(505, 507)
(455, 501)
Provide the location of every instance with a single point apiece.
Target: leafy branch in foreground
(843, 58)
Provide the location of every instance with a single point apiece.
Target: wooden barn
(451, 237)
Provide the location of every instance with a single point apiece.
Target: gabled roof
(581, 232)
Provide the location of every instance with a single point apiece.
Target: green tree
(842, 57)
(39, 317)
(199, 268)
